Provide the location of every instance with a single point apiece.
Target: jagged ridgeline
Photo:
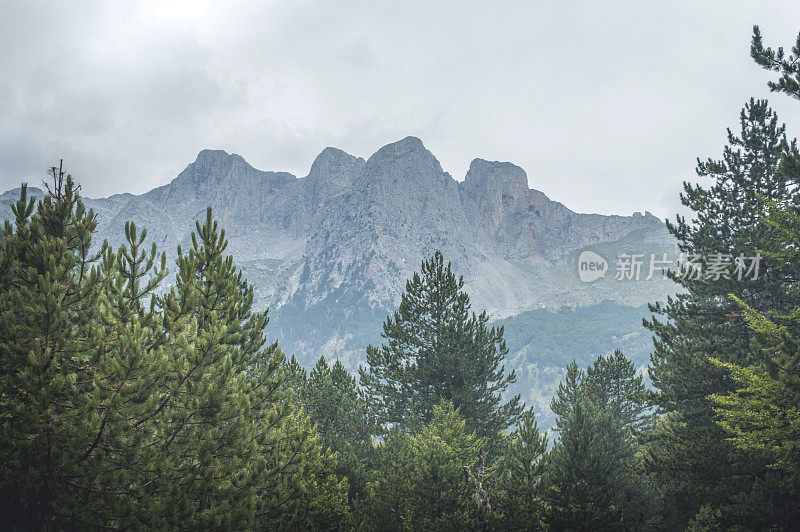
(329, 253)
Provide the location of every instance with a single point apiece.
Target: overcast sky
(605, 105)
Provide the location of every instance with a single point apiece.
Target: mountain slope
(329, 253)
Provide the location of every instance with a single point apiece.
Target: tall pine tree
(331, 399)
(521, 477)
(688, 450)
(437, 349)
(593, 476)
(759, 415)
(420, 480)
(225, 402)
(50, 287)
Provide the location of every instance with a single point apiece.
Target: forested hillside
(542, 343)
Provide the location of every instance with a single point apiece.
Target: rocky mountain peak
(647, 215)
(408, 157)
(208, 155)
(216, 164)
(335, 167)
(409, 149)
(495, 175)
(500, 189)
(330, 157)
(410, 144)
(213, 169)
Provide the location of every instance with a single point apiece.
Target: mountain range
(329, 253)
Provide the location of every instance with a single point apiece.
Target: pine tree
(296, 377)
(688, 450)
(521, 482)
(569, 392)
(581, 463)
(225, 403)
(761, 412)
(316, 498)
(441, 450)
(128, 375)
(332, 401)
(760, 415)
(121, 408)
(613, 384)
(436, 349)
(582, 493)
(778, 61)
(50, 286)
(420, 483)
(594, 476)
(389, 505)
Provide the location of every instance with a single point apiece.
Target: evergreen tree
(778, 61)
(128, 375)
(688, 450)
(760, 415)
(568, 394)
(441, 451)
(521, 481)
(614, 386)
(225, 403)
(389, 505)
(124, 409)
(436, 349)
(50, 286)
(594, 476)
(316, 496)
(761, 412)
(581, 493)
(615, 389)
(420, 483)
(296, 377)
(331, 399)
(581, 496)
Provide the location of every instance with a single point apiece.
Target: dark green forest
(129, 404)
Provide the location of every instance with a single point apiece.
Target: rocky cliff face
(329, 253)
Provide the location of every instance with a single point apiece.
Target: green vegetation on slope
(542, 343)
